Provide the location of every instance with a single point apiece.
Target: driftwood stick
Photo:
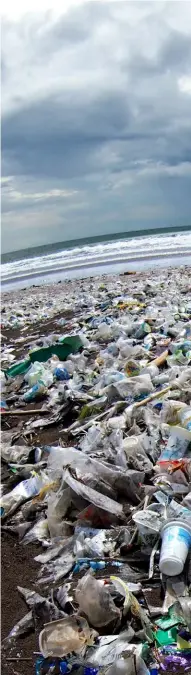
(19, 658)
(151, 397)
(38, 411)
(159, 359)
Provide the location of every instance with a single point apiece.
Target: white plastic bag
(23, 491)
(64, 636)
(37, 372)
(97, 498)
(131, 386)
(14, 453)
(95, 601)
(2, 381)
(58, 504)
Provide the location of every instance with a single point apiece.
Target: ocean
(79, 258)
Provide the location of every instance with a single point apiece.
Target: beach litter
(108, 500)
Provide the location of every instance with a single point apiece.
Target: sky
(96, 118)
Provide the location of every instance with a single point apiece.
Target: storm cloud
(96, 123)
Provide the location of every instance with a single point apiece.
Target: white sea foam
(99, 256)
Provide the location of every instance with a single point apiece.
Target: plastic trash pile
(110, 502)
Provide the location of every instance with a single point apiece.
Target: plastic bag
(187, 501)
(131, 386)
(91, 439)
(129, 664)
(117, 422)
(95, 601)
(110, 376)
(70, 366)
(14, 453)
(171, 410)
(59, 568)
(126, 481)
(90, 546)
(39, 532)
(183, 381)
(62, 637)
(132, 368)
(117, 450)
(122, 666)
(110, 647)
(58, 504)
(103, 332)
(184, 604)
(94, 497)
(124, 347)
(23, 626)
(37, 372)
(92, 542)
(2, 381)
(132, 603)
(61, 373)
(43, 610)
(70, 344)
(23, 491)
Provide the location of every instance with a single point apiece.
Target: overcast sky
(96, 118)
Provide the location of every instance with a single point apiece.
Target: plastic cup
(148, 524)
(176, 541)
(177, 445)
(147, 521)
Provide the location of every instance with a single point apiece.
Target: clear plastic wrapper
(65, 636)
(96, 602)
(23, 491)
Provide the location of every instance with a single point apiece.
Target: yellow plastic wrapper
(50, 486)
(132, 603)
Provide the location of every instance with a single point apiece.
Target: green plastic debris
(168, 622)
(93, 407)
(70, 345)
(18, 368)
(166, 637)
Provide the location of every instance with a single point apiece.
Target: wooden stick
(19, 658)
(159, 359)
(152, 397)
(38, 411)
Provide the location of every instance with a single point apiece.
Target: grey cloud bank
(96, 124)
